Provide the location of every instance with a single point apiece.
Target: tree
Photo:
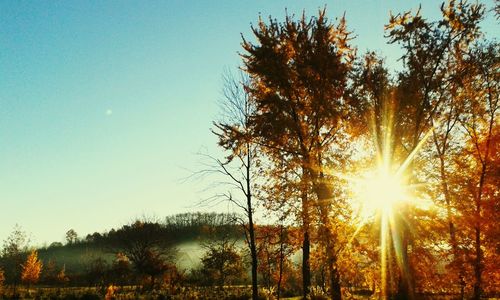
(429, 47)
(31, 269)
(121, 269)
(71, 236)
(298, 74)
(221, 264)
(274, 250)
(97, 273)
(49, 274)
(14, 249)
(234, 135)
(147, 246)
(61, 277)
(154, 265)
(55, 244)
(54, 275)
(480, 123)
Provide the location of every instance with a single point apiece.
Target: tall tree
(428, 47)
(240, 165)
(481, 95)
(298, 72)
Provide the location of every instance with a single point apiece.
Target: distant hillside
(184, 232)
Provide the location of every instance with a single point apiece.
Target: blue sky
(103, 104)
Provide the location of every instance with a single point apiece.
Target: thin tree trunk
(478, 263)
(335, 280)
(325, 197)
(282, 256)
(306, 268)
(251, 229)
(451, 225)
(405, 287)
(306, 243)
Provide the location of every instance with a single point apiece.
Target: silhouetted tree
(480, 123)
(298, 76)
(222, 263)
(274, 250)
(55, 244)
(14, 251)
(49, 273)
(234, 135)
(97, 274)
(71, 236)
(146, 245)
(429, 48)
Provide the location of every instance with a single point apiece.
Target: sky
(104, 104)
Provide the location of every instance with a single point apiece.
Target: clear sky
(103, 104)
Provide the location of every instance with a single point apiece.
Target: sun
(379, 192)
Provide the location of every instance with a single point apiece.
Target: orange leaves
(31, 269)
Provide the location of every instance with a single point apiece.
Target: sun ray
(379, 192)
(419, 145)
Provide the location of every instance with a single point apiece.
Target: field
(137, 292)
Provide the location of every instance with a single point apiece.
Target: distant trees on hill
(140, 252)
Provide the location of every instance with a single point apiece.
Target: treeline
(143, 248)
(175, 228)
(144, 256)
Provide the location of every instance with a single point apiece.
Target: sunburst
(380, 194)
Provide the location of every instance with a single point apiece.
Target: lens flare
(382, 195)
(379, 192)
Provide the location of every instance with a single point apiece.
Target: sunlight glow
(380, 195)
(379, 192)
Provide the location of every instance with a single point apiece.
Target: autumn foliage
(350, 177)
(31, 269)
(324, 117)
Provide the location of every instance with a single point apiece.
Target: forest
(348, 180)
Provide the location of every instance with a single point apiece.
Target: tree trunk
(478, 262)
(251, 229)
(282, 257)
(253, 253)
(477, 265)
(331, 257)
(306, 268)
(451, 227)
(306, 243)
(335, 281)
(405, 282)
(447, 197)
(325, 197)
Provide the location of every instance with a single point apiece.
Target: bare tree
(239, 166)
